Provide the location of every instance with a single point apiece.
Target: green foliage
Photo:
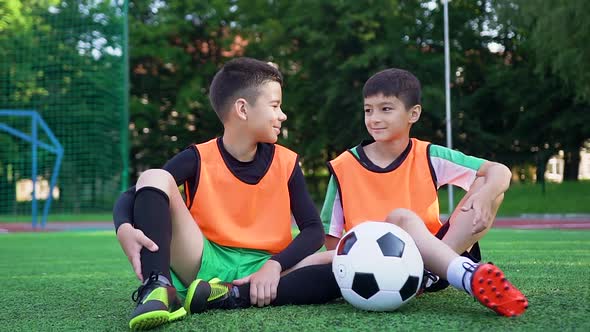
(559, 35)
(548, 38)
(327, 49)
(511, 106)
(82, 281)
(176, 49)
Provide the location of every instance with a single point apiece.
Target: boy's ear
(240, 108)
(415, 112)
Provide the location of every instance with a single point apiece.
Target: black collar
(368, 164)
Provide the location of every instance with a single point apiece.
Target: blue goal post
(37, 125)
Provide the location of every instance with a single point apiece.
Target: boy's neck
(383, 154)
(242, 149)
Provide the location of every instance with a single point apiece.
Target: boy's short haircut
(240, 78)
(394, 82)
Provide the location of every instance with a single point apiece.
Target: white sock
(457, 274)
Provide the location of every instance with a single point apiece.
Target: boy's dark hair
(394, 82)
(240, 78)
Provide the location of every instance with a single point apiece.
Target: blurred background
(122, 86)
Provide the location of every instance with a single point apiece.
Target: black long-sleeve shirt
(183, 167)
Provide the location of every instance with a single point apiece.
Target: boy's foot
(202, 295)
(431, 283)
(490, 288)
(157, 304)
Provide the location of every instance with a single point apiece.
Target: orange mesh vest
(233, 213)
(368, 195)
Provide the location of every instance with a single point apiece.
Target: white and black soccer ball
(377, 266)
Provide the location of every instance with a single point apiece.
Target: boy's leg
(460, 236)
(186, 241)
(431, 282)
(313, 284)
(485, 282)
(318, 258)
(160, 213)
(436, 255)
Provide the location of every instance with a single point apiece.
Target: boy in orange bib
(229, 243)
(394, 172)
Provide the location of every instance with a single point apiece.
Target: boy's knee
(498, 201)
(157, 178)
(401, 217)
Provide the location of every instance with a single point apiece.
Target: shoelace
(429, 276)
(468, 268)
(136, 296)
(230, 302)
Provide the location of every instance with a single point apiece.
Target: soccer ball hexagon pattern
(377, 266)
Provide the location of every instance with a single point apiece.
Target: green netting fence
(67, 61)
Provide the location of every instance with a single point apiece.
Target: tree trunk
(571, 165)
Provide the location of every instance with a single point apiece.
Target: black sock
(313, 284)
(151, 214)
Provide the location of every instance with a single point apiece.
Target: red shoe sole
(490, 288)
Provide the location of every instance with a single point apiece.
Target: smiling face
(265, 115)
(387, 118)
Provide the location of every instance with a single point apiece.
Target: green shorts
(225, 263)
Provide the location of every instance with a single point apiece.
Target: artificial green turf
(81, 281)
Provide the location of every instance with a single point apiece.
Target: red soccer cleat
(490, 288)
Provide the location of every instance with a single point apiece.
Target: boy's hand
(482, 207)
(132, 240)
(263, 283)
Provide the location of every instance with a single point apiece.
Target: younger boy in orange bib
(395, 178)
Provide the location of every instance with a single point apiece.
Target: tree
(559, 35)
(331, 48)
(327, 50)
(551, 36)
(176, 48)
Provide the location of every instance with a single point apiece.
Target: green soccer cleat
(157, 304)
(202, 295)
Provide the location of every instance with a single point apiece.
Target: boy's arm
(311, 235)
(332, 216)
(123, 208)
(496, 181)
(456, 168)
(264, 282)
(453, 167)
(497, 178)
(182, 167)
